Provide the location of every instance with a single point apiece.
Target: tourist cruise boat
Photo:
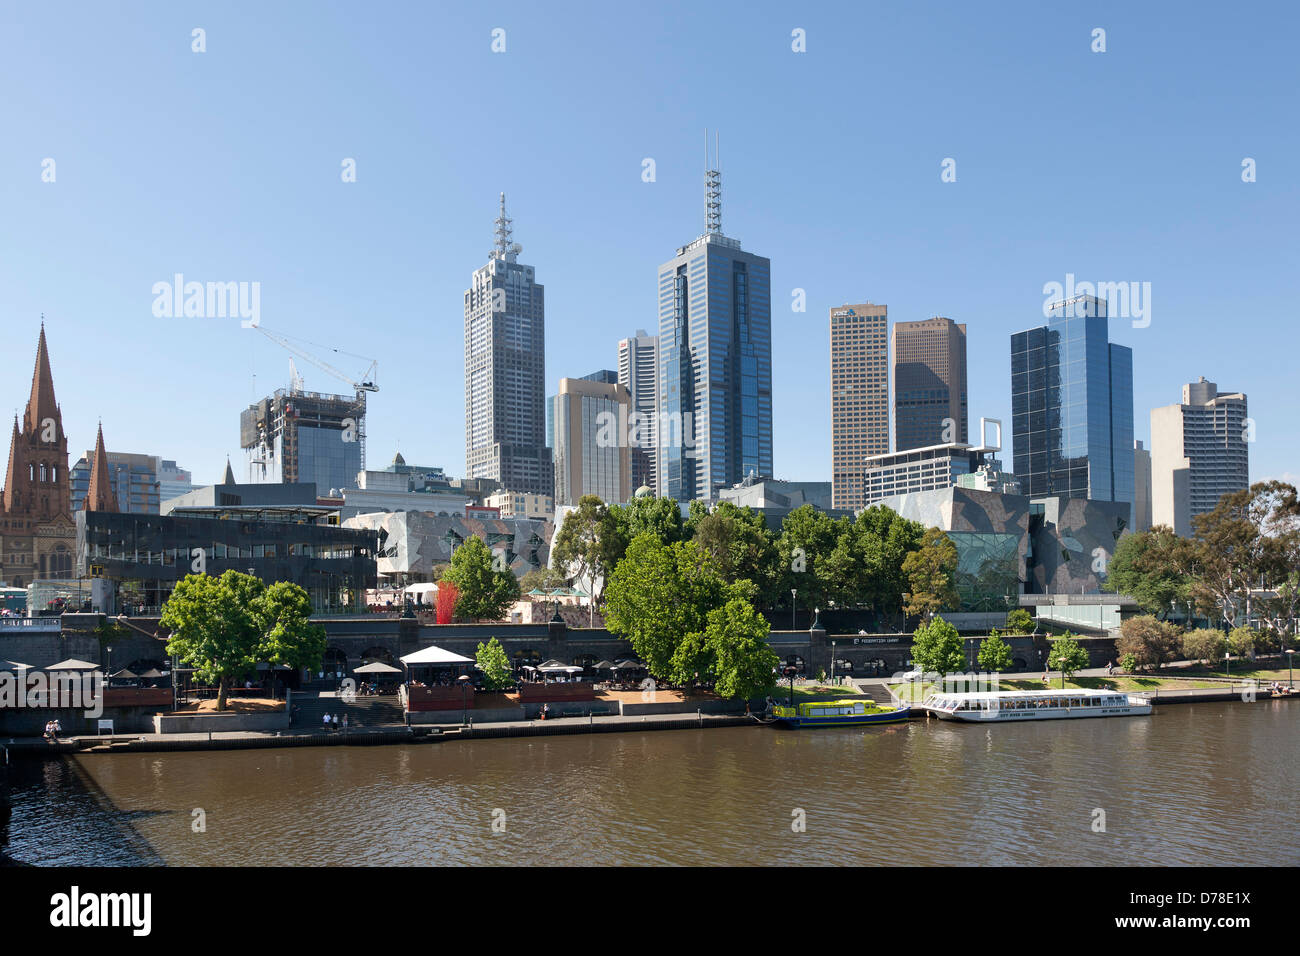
(1035, 705)
(839, 713)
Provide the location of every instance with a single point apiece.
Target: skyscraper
(929, 383)
(590, 458)
(1199, 452)
(638, 360)
(505, 368)
(859, 397)
(1072, 406)
(715, 361)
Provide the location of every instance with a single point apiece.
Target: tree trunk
(222, 693)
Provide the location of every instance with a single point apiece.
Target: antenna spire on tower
(712, 188)
(504, 248)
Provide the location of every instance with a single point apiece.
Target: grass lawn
(815, 691)
(1244, 671)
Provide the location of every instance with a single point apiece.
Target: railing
(10, 625)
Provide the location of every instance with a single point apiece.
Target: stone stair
(362, 711)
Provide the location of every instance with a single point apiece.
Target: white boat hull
(1009, 714)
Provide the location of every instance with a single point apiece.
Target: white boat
(1009, 705)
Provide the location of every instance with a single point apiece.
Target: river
(1196, 784)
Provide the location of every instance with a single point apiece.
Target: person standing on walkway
(327, 721)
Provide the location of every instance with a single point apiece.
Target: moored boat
(1011, 705)
(839, 713)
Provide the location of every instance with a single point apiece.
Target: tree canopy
(938, 648)
(225, 626)
(484, 590)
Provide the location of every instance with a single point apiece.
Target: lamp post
(464, 699)
(832, 663)
(1290, 659)
(790, 671)
(1227, 665)
(109, 666)
(794, 594)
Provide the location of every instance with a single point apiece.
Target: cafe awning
(434, 655)
(560, 670)
(14, 666)
(153, 673)
(125, 674)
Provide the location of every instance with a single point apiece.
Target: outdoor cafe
(436, 679)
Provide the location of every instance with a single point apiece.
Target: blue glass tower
(715, 362)
(1072, 406)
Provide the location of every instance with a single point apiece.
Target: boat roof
(1067, 692)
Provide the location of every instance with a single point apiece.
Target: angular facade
(929, 383)
(413, 543)
(505, 370)
(859, 397)
(714, 425)
(1013, 544)
(1072, 406)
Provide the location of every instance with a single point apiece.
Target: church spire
(229, 477)
(42, 405)
(100, 496)
(11, 473)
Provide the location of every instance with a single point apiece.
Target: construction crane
(367, 378)
(302, 402)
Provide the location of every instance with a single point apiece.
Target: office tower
(294, 436)
(715, 361)
(173, 480)
(929, 383)
(592, 456)
(859, 397)
(1141, 487)
(1199, 452)
(1072, 406)
(606, 376)
(505, 367)
(638, 360)
(135, 481)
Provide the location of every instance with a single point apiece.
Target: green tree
(485, 590)
(581, 548)
(808, 537)
(742, 663)
(541, 579)
(1205, 644)
(1020, 621)
(224, 627)
(995, 654)
(1067, 656)
(930, 572)
(1150, 641)
(937, 647)
(492, 660)
(1242, 641)
(1152, 567)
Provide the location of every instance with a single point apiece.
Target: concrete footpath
(370, 736)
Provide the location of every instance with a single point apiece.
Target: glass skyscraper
(715, 363)
(1072, 406)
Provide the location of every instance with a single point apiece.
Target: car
(914, 674)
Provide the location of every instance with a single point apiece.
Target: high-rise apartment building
(715, 361)
(505, 367)
(592, 456)
(638, 361)
(1199, 452)
(1141, 487)
(1072, 406)
(929, 383)
(133, 480)
(859, 397)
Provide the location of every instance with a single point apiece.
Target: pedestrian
(345, 721)
(327, 721)
(336, 721)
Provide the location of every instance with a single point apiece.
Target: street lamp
(794, 593)
(1290, 659)
(109, 666)
(464, 699)
(832, 663)
(1227, 665)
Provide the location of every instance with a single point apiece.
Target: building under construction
(300, 436)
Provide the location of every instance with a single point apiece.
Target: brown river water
(1196, 784)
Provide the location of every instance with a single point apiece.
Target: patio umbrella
(125, 674)
(627, 665)
(377, 668)
(603, 665)
(153, 673)
(14, 666)
(72, 664)
(552, 663)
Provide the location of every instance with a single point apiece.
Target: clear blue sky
(225, 166)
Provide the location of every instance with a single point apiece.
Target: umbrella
(14, 666)
(603, 665)
(552, 663)
(153, 673)
(72, 664)
(560, 669)
(627, 665)
(377, 668)
(125, 674)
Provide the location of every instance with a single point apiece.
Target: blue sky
(225, 166)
